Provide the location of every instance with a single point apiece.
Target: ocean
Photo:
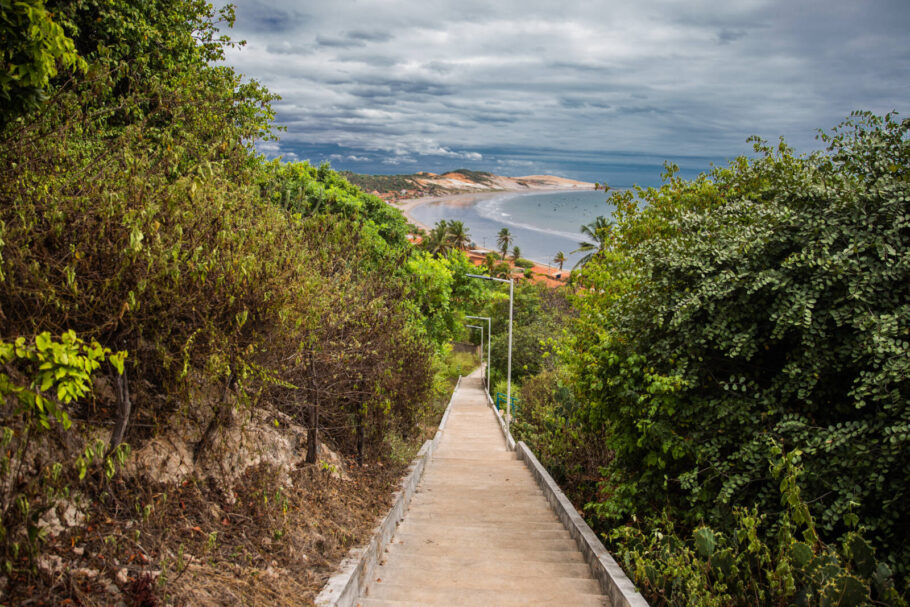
(542, 223)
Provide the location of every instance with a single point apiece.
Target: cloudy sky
(598, 90)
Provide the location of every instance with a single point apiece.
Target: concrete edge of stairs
(510, 442)
(612, 579)
(345, 587)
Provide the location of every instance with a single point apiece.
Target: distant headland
(392, 188)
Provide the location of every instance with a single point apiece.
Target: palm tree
(598, 231)
(490, 262)
(559, 259)
(504, 239)
(437, 241)
(458, 235)
(502, 270)
(516, 254)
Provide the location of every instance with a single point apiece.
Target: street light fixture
(489, 351)
(481, 342)
(509, 364)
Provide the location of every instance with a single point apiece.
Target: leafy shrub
(40, 380)
(539, 315)
(742, 568)
(136, 215)
(766, 300)
(546, 420)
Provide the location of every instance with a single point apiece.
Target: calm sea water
(542, 223)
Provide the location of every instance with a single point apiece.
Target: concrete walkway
(479, 531)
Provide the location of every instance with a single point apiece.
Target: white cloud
(452, 78)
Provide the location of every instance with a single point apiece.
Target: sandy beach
(542, 273)
(457, 200)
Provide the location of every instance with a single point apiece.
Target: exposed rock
(50, 564)
(63, 515)
(166, 459)
(85, 572)
(241, 445)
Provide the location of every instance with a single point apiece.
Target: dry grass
(194, 545)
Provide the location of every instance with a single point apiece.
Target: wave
(492, 209)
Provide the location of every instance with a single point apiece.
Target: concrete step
(454, 470)
(472, 532)
(423, 550)
(551, 525)
(466, 470)
(504, 542)
(496, 478)
(500, 472)
(497, 567)
(371, 602)
(480, 456)
(494, 498)
(491, 491)
(498, 517)
(480, 579)
(484, 597)
(439, 461)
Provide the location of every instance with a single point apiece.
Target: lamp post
(489, 351)
(509, 364)
(481, 340)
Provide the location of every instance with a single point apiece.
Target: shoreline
(462, 199)
(465, 199)
(542, 270)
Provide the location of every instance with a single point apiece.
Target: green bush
(546, 422)
(40, 379)
(713, 568)
(135, 214)
(766, 300)
(539, 315)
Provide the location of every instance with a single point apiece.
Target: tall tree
(489, 262)
(559, 259)
(437, 241)
(504, 239)
(458, 235)
(597, 231)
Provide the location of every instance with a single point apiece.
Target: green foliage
(598, 231)
(457, 364)
(39, 380)
(446, 236)
(539, 315)
(34, 46)
(441, 291)
(59, 372)
(382, 183)
(546, 421)
(560, 259)
(766, 300)
(714, 568)
(300, 188)
(504, 240)
(475, 176)
(136, 214)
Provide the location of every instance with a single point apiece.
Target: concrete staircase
(479, 531)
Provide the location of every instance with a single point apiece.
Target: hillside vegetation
(181, 320)
(730, 401)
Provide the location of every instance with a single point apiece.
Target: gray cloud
(454, 80)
